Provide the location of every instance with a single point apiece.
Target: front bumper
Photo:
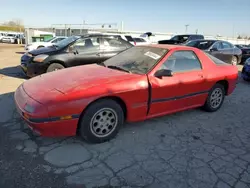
(30, 68)
(8, 40)
(35, 119)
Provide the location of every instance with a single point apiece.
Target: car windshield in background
(139, 40)
(203, 45)
(182, 38)
(11, 35)
(48, 40)
(129, 38)
(66, 41)
(215, 60)
(138, 60)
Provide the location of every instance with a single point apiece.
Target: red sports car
(140, 83)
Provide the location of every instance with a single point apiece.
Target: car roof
(61, 36)
(204, 40)
(98, 35)
(189, 35)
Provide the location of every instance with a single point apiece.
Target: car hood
(46, 50)
(73, 80)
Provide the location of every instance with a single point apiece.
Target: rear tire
(55, 67)
(215, 98)
(101, 121)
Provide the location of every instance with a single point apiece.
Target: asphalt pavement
(192, 149)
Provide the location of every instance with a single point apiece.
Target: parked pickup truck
(181, 39)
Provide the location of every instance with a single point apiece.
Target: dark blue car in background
(245, 73)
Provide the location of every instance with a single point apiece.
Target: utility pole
(186, 28)
(196, 31)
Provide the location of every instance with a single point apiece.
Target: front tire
(234, 60)
(215, 98)
(55, 67)
(101, 121)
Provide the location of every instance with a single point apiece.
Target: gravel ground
(189, 149)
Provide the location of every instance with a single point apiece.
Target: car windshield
(11, 35)
(66, 41)
(182, 38)
(48, 40)
(203, 45)
(241, 46)
(138, 60)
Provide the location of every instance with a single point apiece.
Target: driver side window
(87, 45)
(217, 45)
(181, 61)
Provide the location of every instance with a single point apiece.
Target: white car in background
(9, 38)
(2, 35)
(50, 42)
(141, 41)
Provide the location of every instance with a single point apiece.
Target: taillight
(134, 43)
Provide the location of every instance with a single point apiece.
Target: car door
(182, 90)
(111, 46)
(216, 51)
(227, 51)
(87, 51)
(193, 87)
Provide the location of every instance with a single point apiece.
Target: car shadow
(20, 53)
(15, 72)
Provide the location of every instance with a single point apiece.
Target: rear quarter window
(216, 60)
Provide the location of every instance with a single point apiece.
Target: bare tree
(14, 23)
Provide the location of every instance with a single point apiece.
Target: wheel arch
(57, 61)
(225, 85)
(117, 99)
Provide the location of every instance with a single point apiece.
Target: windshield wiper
(118, 68)
(102, 64)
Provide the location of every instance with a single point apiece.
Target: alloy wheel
(104, 122)
(216, 98)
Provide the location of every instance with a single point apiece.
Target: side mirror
(213, 49)
(163, 72)
(71, 49)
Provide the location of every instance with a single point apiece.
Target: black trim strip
(44, 120)
(178, 97)
(149, 95)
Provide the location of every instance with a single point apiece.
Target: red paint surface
(70, 91)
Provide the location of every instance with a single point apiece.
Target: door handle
(200, 75)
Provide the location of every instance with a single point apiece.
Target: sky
(210, 17)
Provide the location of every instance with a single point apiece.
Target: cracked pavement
(192, 149)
